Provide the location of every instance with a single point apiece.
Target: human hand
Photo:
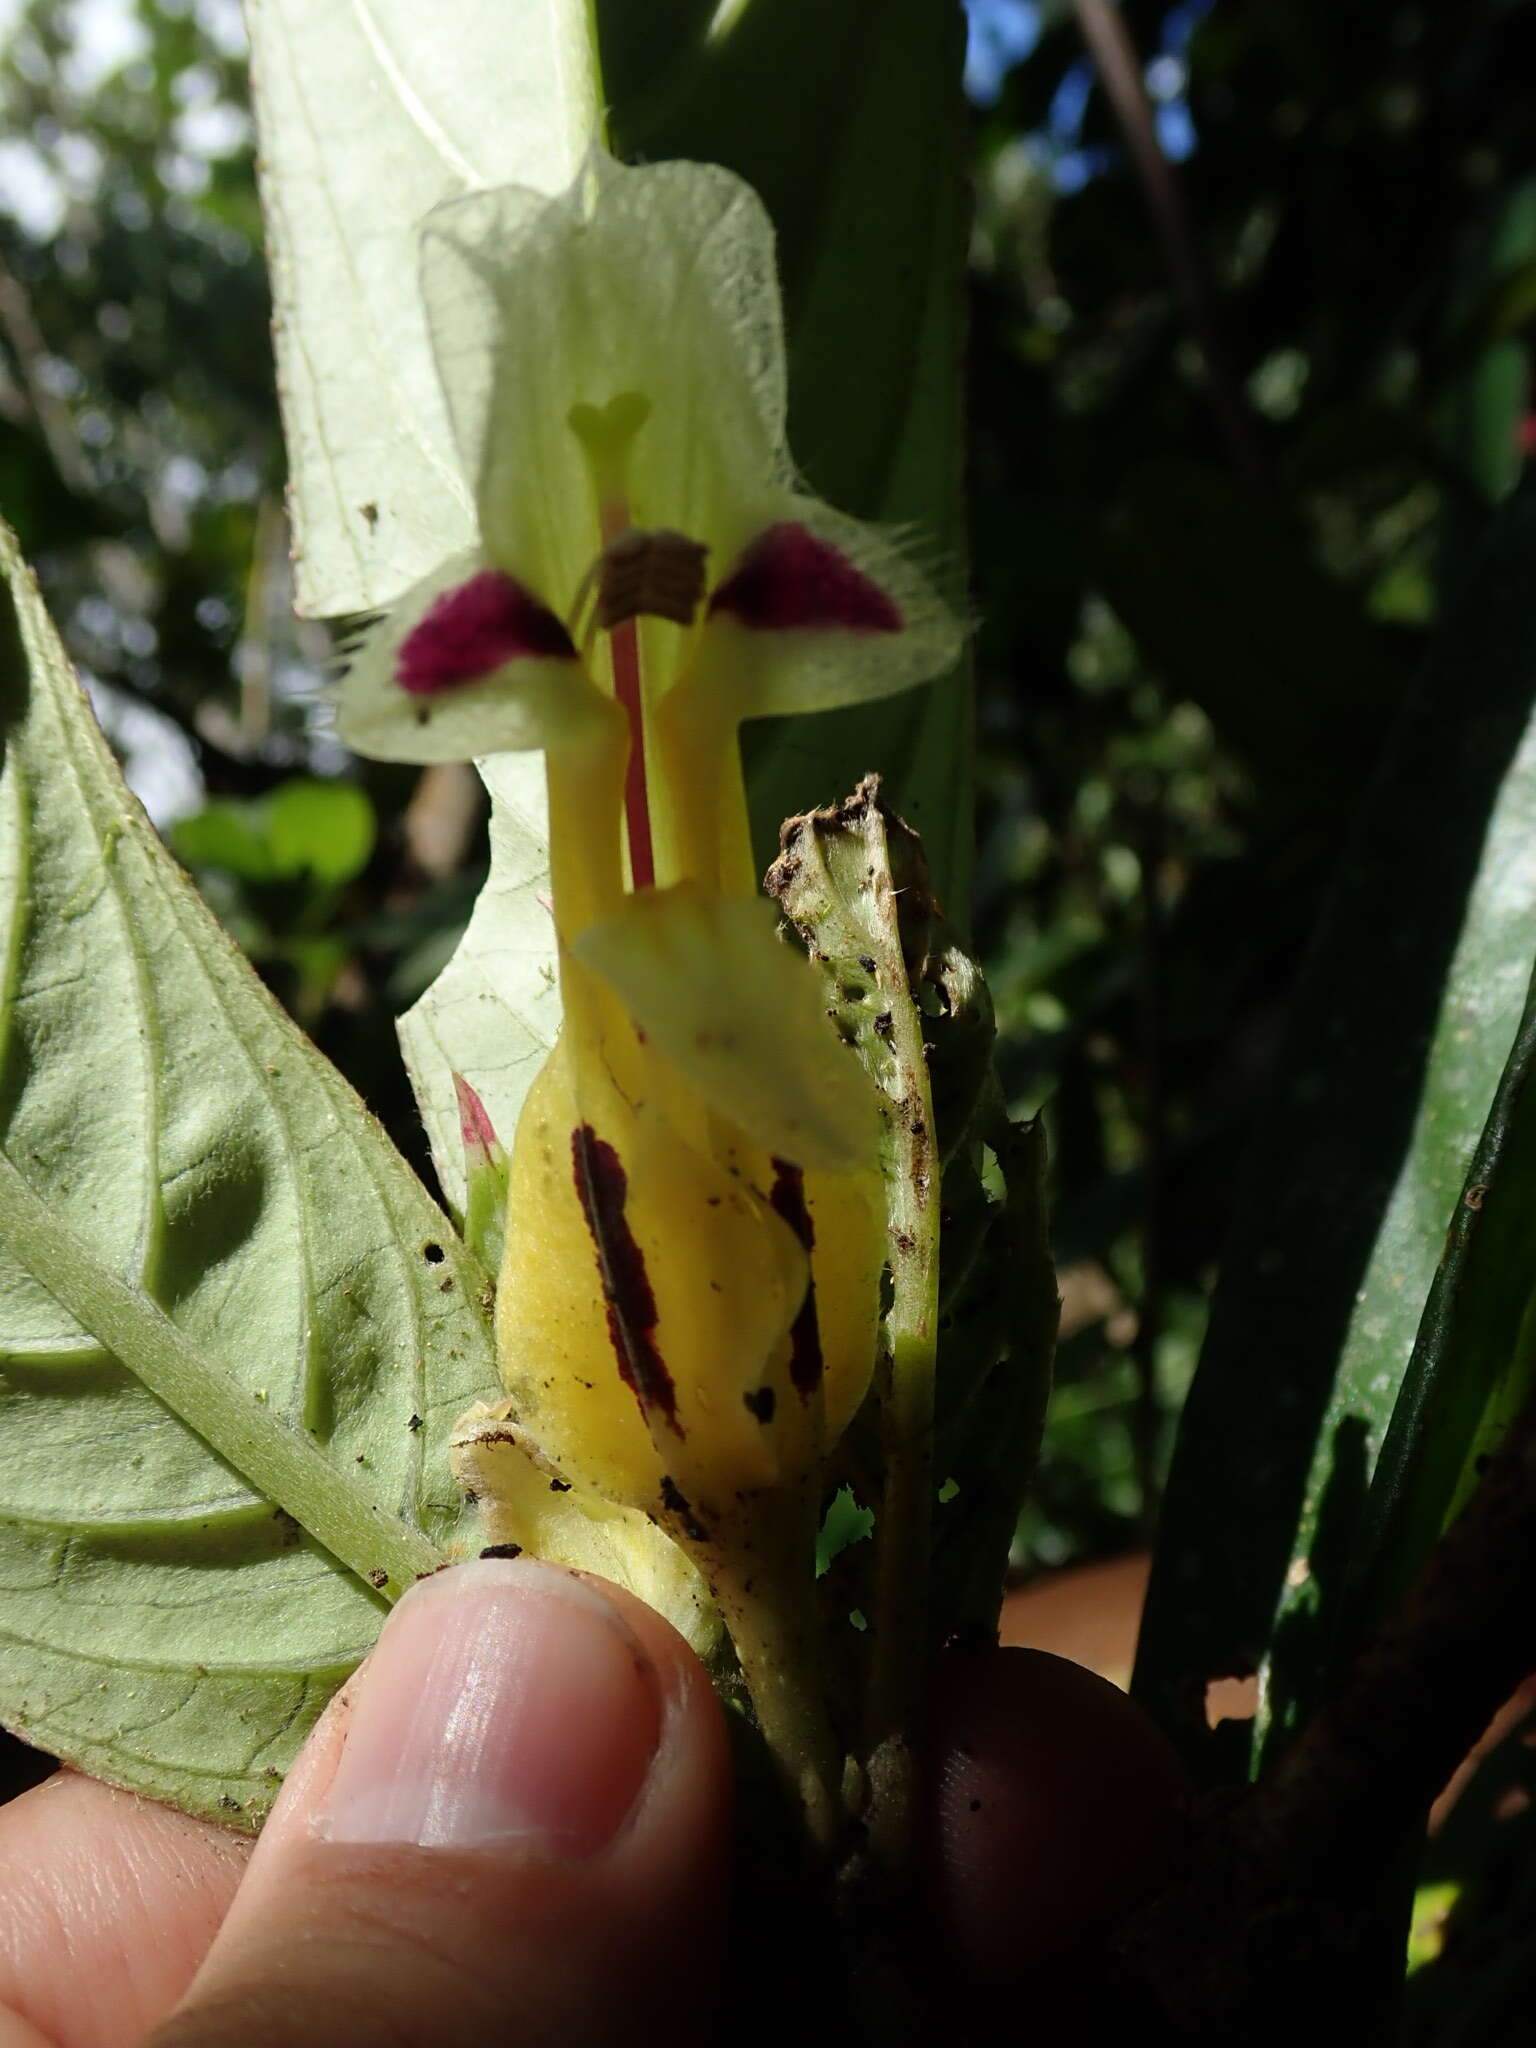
(516, 1818)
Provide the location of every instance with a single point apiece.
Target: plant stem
(1119, 67)
(903, 1526)
(764, 1583)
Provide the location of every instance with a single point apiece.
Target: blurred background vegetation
(1252, 289)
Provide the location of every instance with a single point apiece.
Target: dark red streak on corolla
(601, 1187)
(787, 1199)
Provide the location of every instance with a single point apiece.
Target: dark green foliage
(1192, 648)
(1288, 1377)
(1476, 1962)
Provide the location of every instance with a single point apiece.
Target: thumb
(513, 1820)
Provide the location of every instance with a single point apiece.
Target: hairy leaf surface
(370, 114)
(234, 1331)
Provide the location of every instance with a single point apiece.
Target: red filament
(625, 641)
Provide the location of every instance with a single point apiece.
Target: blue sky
(1004, 31)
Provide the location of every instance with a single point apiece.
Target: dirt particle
(676, 1502)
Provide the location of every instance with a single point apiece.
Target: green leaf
(305, 827)
(1491, 302)
(1473, 1364)
(325, 828)
(234, 1332)
(493, 1012)
(872, 230)
(1397, 1041)
(997, 1344)
(369, 115)
(225, 834)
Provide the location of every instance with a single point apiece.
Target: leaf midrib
(276, 1459)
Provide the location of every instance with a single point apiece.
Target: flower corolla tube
(687, 1309)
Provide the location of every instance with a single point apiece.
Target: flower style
(687, 1310)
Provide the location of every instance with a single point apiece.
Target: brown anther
(658, 573)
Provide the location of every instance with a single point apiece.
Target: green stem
(764, 1583)
(903, 1526)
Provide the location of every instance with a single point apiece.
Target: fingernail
(506, 1702)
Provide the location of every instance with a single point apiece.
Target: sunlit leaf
(1472, 1365)
(370, 114)
(234, 1332)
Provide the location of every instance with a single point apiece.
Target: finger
(1057, 1808)
(16, 2032)
(517, 1826)
(109, 1905)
